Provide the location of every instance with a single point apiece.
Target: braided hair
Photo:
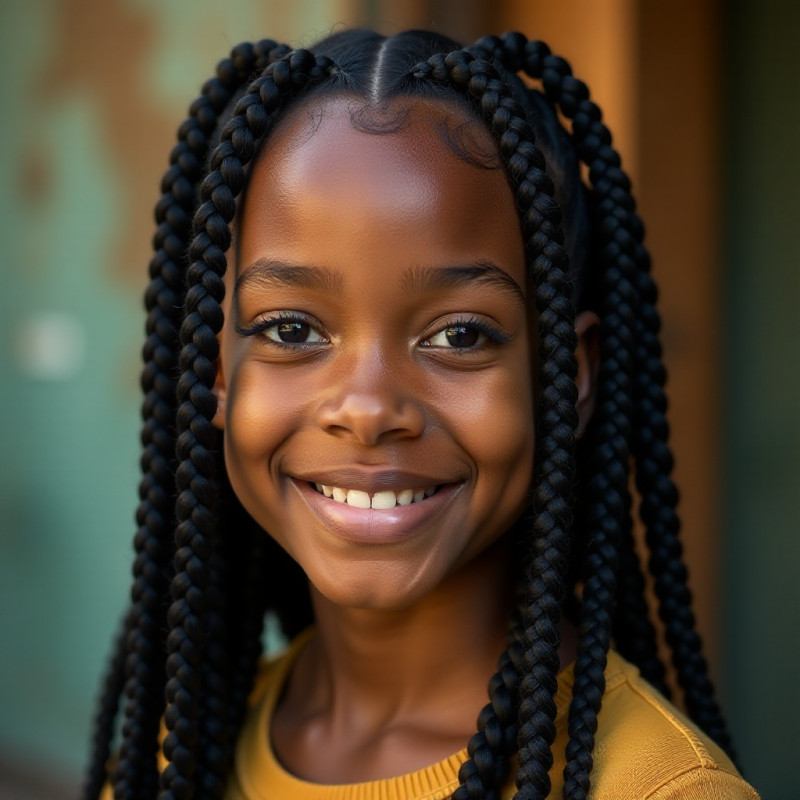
(201, 561)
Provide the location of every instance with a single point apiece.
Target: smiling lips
(387, 507)
(382, 500)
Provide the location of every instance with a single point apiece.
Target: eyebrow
(483, 271)
(268, 273)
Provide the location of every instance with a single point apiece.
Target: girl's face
(377, 343)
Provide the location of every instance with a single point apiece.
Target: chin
(374, 586)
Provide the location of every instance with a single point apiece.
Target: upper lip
(372, 481)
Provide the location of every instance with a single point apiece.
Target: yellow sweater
(645, 748)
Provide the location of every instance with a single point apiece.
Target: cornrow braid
(188, 773)
(480, 81)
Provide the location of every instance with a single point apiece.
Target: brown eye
(292, 331)
(459, 336)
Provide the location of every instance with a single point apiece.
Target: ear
(218, 420)
(587, 352)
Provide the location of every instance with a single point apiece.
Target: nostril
(371, 417)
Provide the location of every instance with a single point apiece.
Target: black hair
(201, 561)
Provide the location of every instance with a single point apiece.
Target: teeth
(379, 501)
(357, 499)
(383, 499)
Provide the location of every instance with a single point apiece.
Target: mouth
(380, 501)
(377, 514)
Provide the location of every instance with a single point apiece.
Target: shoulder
(255, 765)
(646, 748)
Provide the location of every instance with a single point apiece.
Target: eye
(459, 336)
(292, 332)
(466, 335)
(285, 329)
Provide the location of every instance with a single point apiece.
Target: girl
(368, 260)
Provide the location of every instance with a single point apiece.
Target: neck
(380, 665)
(388, 692)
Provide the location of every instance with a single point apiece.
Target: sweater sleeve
(702, 783)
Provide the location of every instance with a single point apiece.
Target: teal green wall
(762, 390)
(68, 440)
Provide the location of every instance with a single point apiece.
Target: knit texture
(645, 748)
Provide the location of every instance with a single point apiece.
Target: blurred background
(704, 99)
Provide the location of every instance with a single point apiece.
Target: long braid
(136, 773)
(634, 633)
(240, 562)
(485, 771)
(188, 773)
(105, 717)
(607, 507)
(653, 459)
(214, 723)
(244, 635)
(651, 431)
(659, 498)
(607, 499)
(557, 418)
(618, 221)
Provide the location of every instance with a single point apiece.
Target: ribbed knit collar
(262, 777)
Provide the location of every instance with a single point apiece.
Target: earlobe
(587, 352)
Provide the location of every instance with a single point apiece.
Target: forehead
(335, 171)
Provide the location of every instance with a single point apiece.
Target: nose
(372, 404)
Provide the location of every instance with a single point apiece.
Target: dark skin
(379, 338)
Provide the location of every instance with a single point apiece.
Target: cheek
(260, 415)
(508, 435)
(492, 418)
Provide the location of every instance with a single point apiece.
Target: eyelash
(493, 334)
(262, 326)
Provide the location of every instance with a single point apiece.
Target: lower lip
(376, 526)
